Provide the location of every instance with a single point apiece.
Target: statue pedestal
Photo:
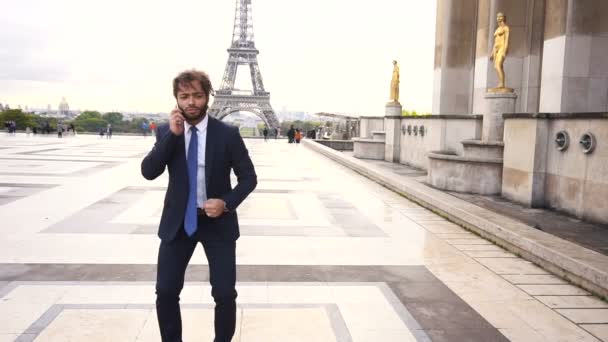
(493, 123)
(392, 129)
(392, 109)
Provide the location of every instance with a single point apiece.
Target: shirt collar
(200, 127)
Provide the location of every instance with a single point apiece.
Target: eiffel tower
(243, 52)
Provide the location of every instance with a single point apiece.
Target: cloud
(25, 55)
(20, 68)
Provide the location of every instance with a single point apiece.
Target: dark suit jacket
(225, 150)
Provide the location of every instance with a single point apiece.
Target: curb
(579, 265)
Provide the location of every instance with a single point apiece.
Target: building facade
(556, 60)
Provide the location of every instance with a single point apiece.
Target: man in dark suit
(200, 203)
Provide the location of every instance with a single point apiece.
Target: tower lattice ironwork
(242, 51)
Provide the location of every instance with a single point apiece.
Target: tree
(409, 113)
(90, 121)
(113, 118)
(134, 126)
(22, 120)
(412, 113)
(90, 124)
(40, 122)
(89, 114)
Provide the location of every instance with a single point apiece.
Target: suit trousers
(173, 259)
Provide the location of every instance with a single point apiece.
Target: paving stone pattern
(325, 255)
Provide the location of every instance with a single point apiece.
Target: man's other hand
(214, 207)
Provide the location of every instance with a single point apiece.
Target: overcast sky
(315, 55)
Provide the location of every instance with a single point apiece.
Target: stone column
(454, 56)
(363, 124)
(392, 128)
(525, 159)
(493, 122)
(574, 72)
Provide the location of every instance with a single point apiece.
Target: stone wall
(338, 145)
(368, 149)
(368, 124)
(441, 132)
(538, 174)
(574, 68)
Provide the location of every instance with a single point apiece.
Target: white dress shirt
(201, 191)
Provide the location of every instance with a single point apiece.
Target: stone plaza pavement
(325, 255)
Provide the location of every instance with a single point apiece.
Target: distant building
(156, 117)
(64, 108)
(287, 115)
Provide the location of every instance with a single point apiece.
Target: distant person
(59, 130)
(265, 132)
(298, 136)
(109, 131)
(101, 132)
(200, 153)
(291, 134)
(276, 133)
(144, 128)
(73, 128)
(153, 128)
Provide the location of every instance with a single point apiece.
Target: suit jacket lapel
(209, 149)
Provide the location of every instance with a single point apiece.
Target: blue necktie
(190, 221)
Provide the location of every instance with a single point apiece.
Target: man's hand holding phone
(176, 121)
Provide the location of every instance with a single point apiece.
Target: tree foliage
(89, 114)
(406, 112)
(22, 120)
(113, 118)
(87, 121)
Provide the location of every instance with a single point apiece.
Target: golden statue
(499, 53)
(395, 84)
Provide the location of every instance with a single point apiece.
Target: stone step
(465, 174)
(379, 135)
(368, 148)
(483, 149)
